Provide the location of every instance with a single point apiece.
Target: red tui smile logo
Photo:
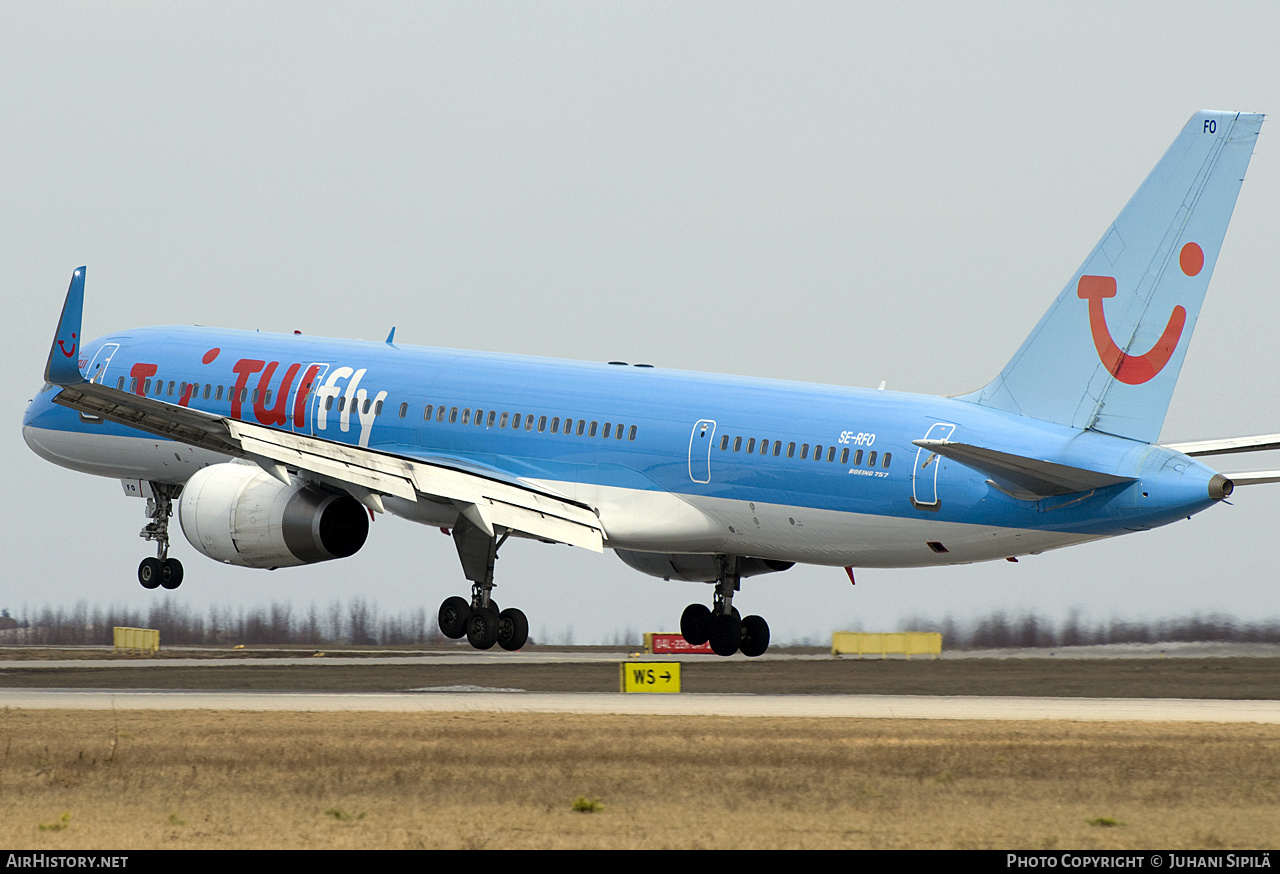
(1135, 369)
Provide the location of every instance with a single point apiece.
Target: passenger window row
(775, 449)
(513, 421)
(525, 422)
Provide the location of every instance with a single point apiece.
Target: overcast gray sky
(832, 192)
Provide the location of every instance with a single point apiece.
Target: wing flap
(522, 508)
(1020, 475)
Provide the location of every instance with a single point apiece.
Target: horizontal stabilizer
(1020, 476)
(1227, 445)
(1253, 477)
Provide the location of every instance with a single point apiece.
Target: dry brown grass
(137, 779)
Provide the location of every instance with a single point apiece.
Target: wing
(488, 501)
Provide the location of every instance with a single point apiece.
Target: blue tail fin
(1107, 354)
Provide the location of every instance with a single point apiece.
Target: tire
(454, 613)
(755, 636)
(171, 573)
(149, 573)
(695, 624)
(513, 629)
(482, 628)
(726, 634)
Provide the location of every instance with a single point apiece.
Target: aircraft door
(304, 404)
(700, 440)
(98, 366)
(924, 476)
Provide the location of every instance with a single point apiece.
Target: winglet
(63, 367)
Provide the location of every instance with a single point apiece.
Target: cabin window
(884, 461)
(171, 388)
(266, 399)
(608, 426)
(804, 451)
(737, 444)
(453, 415)
(791, 450)
(206, 391)
(857, 457)
(871, 458)
(493, 414)
(377, 408)
(777, 448)
(479, 418)
(831, 454)
(751, 445)
(404, 409)
(592, 431)
(568, 426)
(426, 412)
(440, 414)
(764, 447)
(582, 424)
(844, 455)
(466, 416)
(502, 422)
(217, 395)
(542, 424)
(120, 384)
(528, 423)
(632, 436)
(133, 384)
(724, 440)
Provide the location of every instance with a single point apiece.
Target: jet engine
(239, 514)
(695, 568)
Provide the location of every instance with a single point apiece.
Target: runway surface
(846, 706)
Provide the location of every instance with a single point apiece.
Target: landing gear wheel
(726, 634)
(695, 624)
(454, 613)
(149, 573)
(482, 628)
(755, 636)
(171, 573)
(513, 629)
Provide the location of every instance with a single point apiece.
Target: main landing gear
(722, 625)
(480, 619)
(161, 570)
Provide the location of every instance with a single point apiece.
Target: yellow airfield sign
(649, 676)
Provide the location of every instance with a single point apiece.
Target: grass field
(139, 779)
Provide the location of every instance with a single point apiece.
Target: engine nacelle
(695, 568)
(239, 514)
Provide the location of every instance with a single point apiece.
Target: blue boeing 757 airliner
(276, 449)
